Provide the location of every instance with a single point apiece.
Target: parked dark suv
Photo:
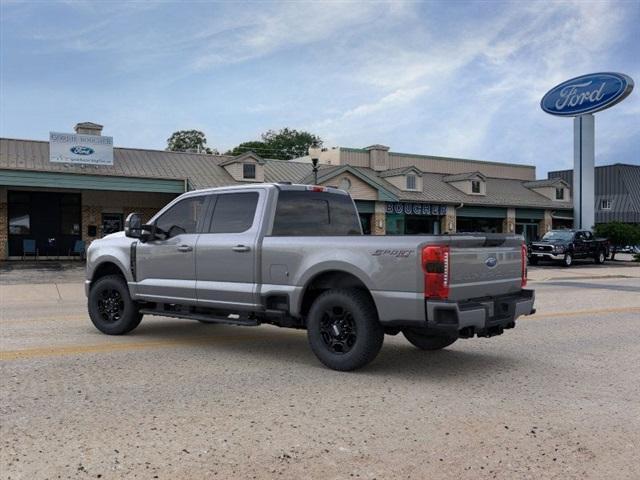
(566, 245)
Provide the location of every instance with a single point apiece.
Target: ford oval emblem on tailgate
(491, 262)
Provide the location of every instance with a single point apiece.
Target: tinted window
(182, 217)
(234, 212)
(307, 213)
(248, 170)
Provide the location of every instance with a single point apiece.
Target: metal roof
(204, 171)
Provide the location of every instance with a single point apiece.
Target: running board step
(229, 320)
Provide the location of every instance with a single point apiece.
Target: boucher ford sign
(587, 94)
(80, 149)
(416, 208)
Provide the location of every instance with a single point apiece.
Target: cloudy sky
(450, 78)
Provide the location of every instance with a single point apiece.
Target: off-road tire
(360, 333)
(122, 316)
(424, 341)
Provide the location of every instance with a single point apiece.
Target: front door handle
(240, 248)
(185, 248)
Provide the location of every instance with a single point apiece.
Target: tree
(257, 147)
(188, 141)
(619, 234)
(284, 144)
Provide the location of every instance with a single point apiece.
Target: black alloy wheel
(111, 309)
(343, 329)
(110, 305)
(338, 329)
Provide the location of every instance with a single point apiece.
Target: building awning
(482, 212)
(562, 216)
(30, 178)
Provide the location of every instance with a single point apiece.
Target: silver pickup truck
(295, 256)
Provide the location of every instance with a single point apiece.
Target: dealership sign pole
(580, 98)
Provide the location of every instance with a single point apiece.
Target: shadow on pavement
(292, 349)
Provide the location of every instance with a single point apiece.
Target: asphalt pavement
(557, 397)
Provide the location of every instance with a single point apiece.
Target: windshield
(558, 235)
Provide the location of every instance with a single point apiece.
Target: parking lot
(555, 398)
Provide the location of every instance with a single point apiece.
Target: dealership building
(56, 200)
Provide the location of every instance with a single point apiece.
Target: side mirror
(133, 225)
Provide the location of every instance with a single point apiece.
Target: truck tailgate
(485, 265)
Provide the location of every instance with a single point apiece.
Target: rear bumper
(482, 317)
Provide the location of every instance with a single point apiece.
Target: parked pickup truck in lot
(295, 256)
(565, 246)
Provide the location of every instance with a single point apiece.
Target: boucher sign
(416, 208)
(80, 149)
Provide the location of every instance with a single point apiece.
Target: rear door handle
(240, 248)
(185, 248)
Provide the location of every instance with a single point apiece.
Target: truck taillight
(435, 265)
(524, 264)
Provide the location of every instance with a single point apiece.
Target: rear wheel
(343, 329)
(424, 341)
(110, 306)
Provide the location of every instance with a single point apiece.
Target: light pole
(314, 153)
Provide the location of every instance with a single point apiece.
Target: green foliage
(188, 141)
(619, 234)
(257, 147)
(284, 144)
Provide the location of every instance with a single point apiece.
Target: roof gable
(249, 155)
(459, 177)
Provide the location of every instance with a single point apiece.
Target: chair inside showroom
(29, 248)
(78, 249)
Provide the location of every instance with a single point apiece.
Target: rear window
(305, 213)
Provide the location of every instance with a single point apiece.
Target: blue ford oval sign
(491, 262)
(80, 150)
(587, 94)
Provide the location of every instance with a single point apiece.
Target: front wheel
(343, 329)
(567, 261)
(533, 260)
(600, 257)
(110, 306)
(424, 341)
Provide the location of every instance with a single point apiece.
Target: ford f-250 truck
(295, 256)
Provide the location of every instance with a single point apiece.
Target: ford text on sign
(587, 94)
(80, 149)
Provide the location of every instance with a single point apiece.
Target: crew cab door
(165, 267)
(581, 244)
(227, 251)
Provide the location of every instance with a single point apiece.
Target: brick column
(4, 225)
(509, 223)
(448, 222)
(379, 226)
(546, 224)
(91, 215)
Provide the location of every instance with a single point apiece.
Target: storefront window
(484, 225)
(19, 217)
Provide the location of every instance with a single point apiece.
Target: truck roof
(269, 186)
